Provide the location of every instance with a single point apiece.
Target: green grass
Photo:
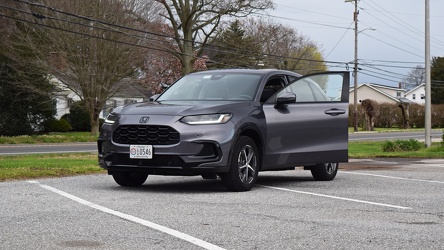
(47, 165)
(55, 165)
(49, 138)
(375, 150)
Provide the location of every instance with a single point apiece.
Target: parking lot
(372, 204)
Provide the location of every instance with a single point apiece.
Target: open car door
(307, 121)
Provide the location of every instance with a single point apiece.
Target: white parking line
(335, 197)
(393, 177)
(152, 225)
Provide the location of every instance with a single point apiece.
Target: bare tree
(160, 65)
(416, 76)
(285, 47)
(195, 22)
(85, 45)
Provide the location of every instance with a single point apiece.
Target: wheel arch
(254, 133)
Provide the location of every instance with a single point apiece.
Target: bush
(401, 145)
(55, 125)
(78, 117)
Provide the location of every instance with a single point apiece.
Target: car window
(222, 86)
(272, 86)
(316, 88)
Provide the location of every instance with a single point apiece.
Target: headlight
(111, 118)
(206, 119)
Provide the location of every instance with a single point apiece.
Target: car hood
(181, 107)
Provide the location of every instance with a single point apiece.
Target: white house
(378, 93)
(129, 93)
(416, 94)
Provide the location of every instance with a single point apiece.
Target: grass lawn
(49, 138)
(374, 150)
(47, 165)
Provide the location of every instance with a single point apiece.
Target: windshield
(213, 86)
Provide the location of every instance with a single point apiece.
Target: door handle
(334, 112)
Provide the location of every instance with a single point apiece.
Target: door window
(317, 88)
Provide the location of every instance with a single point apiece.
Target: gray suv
(231, 124)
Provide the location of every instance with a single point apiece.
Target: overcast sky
(388, 52)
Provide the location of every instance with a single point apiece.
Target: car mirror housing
(285, 99)
(154, 97)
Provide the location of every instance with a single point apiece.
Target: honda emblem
(144, 119)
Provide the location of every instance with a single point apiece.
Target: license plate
(141, 151)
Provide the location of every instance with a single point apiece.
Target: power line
(172, 37)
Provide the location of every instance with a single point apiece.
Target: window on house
(398, 94)
(69, 102)
(414, 96)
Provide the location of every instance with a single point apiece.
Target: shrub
(55, 125)
(401, 145)
(78, 117)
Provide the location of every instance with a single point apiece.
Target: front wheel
(244, 166)
(325, 171)
(130, 179)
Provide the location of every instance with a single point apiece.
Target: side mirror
(164, 86)
(285, 99)
(154, 97)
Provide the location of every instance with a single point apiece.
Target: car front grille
(146, 134)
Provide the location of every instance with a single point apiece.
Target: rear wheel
(244, 166)
(130, 179)
(325, 171)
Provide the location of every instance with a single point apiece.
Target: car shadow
(197, 185)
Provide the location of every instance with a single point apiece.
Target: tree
(25, 104)
(233, 48)
(195, 23)
(284, 47)
(415, 77)
(160, 65)
(437, 76)
(83, 44)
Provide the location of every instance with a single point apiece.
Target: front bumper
(201, 149)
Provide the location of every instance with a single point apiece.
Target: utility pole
(428, 88)
(355, 77)
(355, 69)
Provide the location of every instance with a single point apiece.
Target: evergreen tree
(437, 75)
(25, 100)
(234, 49)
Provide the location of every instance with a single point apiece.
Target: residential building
(417, 94)
(129, 92)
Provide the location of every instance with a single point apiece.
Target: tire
(130, 179)
(325, 171)
(244, 167)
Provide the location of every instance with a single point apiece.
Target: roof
(253, 71)
(369, 85)
(415, 88)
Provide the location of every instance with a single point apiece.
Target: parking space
(382, 203)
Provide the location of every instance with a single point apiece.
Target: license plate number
(141, 151)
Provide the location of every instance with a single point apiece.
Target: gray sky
(396, 44)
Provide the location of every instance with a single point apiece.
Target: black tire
(244, 167)
(325, 171)
(130, 179)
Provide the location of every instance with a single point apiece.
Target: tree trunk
(405, 115)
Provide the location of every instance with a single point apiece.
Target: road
(13, 149)
(372, 204)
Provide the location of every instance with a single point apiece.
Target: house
(128, 92)
(378, 93)
(416, 94)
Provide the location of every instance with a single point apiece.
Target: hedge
(388, 115)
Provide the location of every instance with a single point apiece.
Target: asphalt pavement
(372, 204)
